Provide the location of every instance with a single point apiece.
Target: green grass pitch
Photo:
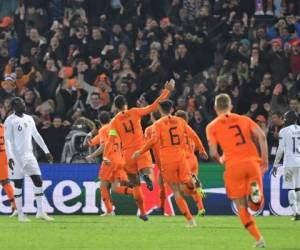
(130, 233)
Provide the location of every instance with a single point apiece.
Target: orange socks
(10, 194)
(124, 190)
(249, 223)
(183, 207)
(106, 199)
(139, 198)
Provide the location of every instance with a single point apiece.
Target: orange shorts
(176, 172)
(112, 173)
(3, 168)
(192, 163)
(239, 176)
(133, 166)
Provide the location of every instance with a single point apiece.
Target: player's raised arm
(260, 136)
(39, 140)
(279, 154)
(169, 86)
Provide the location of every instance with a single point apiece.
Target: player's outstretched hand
(49, 157)
(204, 155)
(274, 171)
(11, 164)
(170, 85)
(136, 155)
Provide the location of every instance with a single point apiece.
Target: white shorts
(291, 177)
(25, 166)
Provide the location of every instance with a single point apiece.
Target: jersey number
(2, 149)
(295, 148)
(239, 134)
(175, 140)
(129, 128)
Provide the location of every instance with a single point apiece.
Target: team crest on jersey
(19, 128)
(25, 125)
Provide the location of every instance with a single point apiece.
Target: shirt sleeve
(8, 138)
(210, 135)
(192, 134)
(94, 141)
(38, 138)
(280, 149)
(154, 138)
(150, 108)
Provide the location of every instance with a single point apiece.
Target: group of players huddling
(127, 159)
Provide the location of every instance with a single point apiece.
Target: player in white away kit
(19, 131)
(289, 145)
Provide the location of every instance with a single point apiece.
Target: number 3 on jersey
(128, 127)
(239, 134)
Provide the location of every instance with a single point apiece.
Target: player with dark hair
(111, 172)
(126, 125)
(289, 137)
(192, 163)
(170, 132)
(19, 131)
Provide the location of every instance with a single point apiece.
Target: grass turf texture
(128, 232)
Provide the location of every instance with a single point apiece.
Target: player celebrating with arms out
(127, 126)
(289, 146)
(111, 171)
(4, 171)
(169, 132)
(19, 131)
(244, 167)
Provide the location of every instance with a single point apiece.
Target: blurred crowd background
(69, 58)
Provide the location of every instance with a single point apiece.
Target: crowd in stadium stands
(69, 58)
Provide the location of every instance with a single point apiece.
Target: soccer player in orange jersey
(4, 171)
(110, 172)
(170, 133)
(244, 167)
(156, 154)
(127, 125)
(192, 163)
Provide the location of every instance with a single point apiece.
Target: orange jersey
(156, 147)
(127, 123)
(113, 147)
(95, 141)
(3, 158)
(190, 147)
(170, 133)
(2, 144)
(233, 133)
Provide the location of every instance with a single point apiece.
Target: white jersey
(18, 135)
(289, 145)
